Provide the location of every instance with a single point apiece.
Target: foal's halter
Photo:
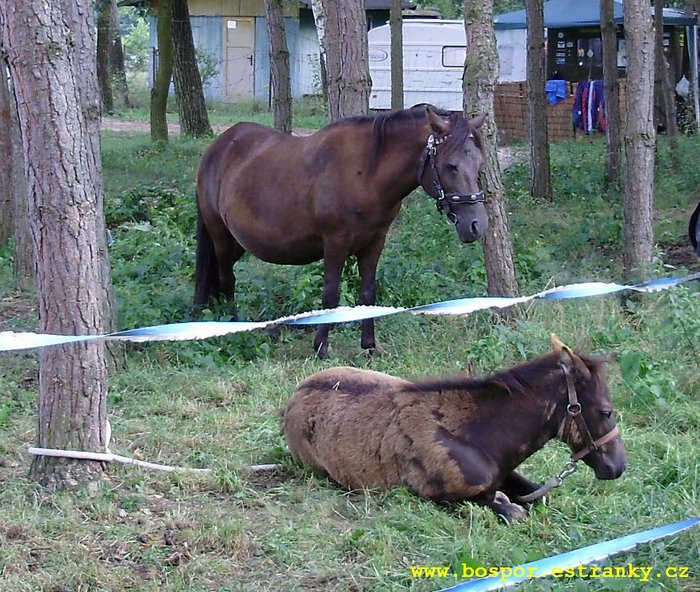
(443, 201)
(573, 416)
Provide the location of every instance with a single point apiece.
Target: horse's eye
(452, 167)
(606, 414)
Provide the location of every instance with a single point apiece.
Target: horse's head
(449, 171)
(588, 426)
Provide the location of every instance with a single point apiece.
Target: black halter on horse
(443, 201)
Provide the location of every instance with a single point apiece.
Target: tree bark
(6, 191)
(192, 108)
(164, 73)
(104, 43)
(279, 66)
(116, 57)
(640, 134)
(396, 26)
(51, 53)
(480, 79)
(613, 164)
(541, 178)
(346, 58)
(664, 86)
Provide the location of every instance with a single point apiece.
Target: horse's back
(337, 416)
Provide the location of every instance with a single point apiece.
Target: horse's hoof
(322, 351)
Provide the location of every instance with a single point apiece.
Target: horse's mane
(520, 379)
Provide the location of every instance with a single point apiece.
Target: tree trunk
(638, 232)
(346, 58)
(664, 86)
(480, 79)
(23, 265)
(541, 181)
(104, 44)
(24, 261)
(63, 173)
(320, 22)
(116, 57)
(164, 73)
(192, 108)
(396, 26)
(6, 191)
(613, 164)
(279, 66)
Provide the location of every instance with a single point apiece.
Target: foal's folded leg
(515, 485)
(501, 505)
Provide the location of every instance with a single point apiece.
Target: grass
(216, 403)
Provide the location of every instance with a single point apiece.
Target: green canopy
(576, 14)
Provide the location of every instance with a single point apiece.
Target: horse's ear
(569, 358)
(478, 121)
(439, 125)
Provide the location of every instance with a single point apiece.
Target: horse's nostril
(475, 227)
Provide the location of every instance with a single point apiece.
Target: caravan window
(454, 56)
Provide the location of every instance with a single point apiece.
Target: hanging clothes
(555, 91)
(588, 111)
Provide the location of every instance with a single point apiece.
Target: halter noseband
(443, 201)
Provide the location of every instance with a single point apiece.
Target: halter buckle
(573, 409)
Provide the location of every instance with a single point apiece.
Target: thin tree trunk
(666, 89)
(6, 191)
(320, 22)
(613, 164)
(396, 26)
(480, 79)
(541, 180)
(104, 44)
(164, 73)
(23, 262)
(192, 108)
(116, 57)
(279, 66)
(346, 58)
(638, 231)
(63, 175)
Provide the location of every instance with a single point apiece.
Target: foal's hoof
(507, 510)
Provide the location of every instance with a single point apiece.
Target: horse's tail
(206, 275)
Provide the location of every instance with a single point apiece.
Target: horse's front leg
(367, 260)
(333, 268)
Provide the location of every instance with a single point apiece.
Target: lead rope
(553, 483)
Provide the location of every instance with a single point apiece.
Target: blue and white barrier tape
(10, 340)
(573, 559)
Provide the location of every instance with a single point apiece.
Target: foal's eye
(451, 167)
(606, 414)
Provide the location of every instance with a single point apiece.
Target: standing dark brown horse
(331, 195)
(456, 438)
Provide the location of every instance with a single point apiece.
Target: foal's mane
(521, 379)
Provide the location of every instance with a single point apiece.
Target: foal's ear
(569, 358)
(439, 125)
(478, 121)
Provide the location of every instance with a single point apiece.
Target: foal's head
(588, 425)
(449, 171)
